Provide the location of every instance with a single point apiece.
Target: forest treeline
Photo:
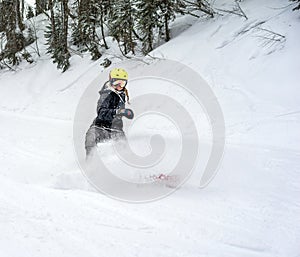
(84, 24)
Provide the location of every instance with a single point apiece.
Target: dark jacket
(109, 103)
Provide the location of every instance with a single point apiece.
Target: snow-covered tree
(167, 12)
(148, 20)
(91, 15)
(12, 25)
(121, 24)
(128, 22)
(57, 34)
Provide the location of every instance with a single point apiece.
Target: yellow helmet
(118, 73)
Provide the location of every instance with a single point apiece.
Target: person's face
(119, 84)
(119, 88)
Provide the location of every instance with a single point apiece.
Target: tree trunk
(65, 25)
(150, 40)
(167, 30)
(15, 38)
(19, 16)
(131, 41)
(102, 28)
(22, 9)
(52, 19)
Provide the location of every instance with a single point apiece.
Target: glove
(128, 113)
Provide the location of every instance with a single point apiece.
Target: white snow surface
(251, 208)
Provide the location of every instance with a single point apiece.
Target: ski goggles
(119, 82)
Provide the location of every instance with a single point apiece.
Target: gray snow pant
(97, 135)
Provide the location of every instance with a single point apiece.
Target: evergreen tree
(57, 33)
(13, 26)
(148, 20)
(84, 33)
(127, 21)
(81, 33)
(121, 24)
(167, 11)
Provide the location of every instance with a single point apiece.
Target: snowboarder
(110, 110)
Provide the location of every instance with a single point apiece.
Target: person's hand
(128, 113)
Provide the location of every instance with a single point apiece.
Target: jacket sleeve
(105, 113)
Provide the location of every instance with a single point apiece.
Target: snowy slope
(250, 209)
